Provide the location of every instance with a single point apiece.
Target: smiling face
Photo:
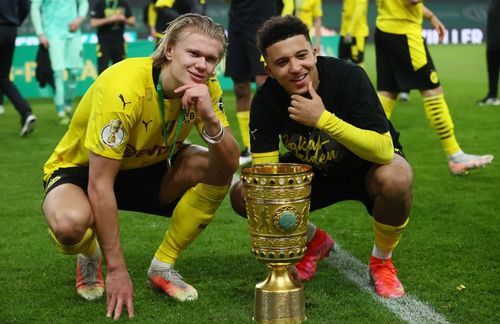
(192, 59)
(292, 62)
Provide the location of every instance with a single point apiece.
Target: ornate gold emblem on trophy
(277, 199)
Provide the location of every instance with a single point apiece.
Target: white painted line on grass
(408, 308)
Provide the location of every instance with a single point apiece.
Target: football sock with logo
(386, 238)
(192, 214)
(387, 104)
(87, 244)
(440, 120)
(243, 122)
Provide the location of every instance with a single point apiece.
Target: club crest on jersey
(434, 77)
(113, 134)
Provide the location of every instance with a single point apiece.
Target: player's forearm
(97, 22)
(83, 8)
(414, 2)
(36, 17)
(130, 21)
(105, 211)
(367, 144)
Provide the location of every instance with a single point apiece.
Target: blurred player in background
(353, 31)
(57, 25)
(311, 12)
(124, 151)
(12, 14)
(492, 54)
(404, 62)
(326, 114)
(158, 13)
(110, 18)
(243, 60)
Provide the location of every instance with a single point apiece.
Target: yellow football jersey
(399, 17)
(306, 10)
(119, 118)
(354, 20)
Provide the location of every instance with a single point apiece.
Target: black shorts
(354, 52)
(403, 63)
(135, 190)
(243, 59)
(327, 191)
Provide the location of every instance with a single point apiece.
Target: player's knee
(242, 90)
(237, 199)
(396, 185)
(69, 228)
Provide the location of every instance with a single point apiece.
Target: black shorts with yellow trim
(135, 189)
(326, 190)
(354, 51)
(403, 63)
(243, 59)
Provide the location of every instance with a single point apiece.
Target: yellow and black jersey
(354, 20)
(119, 117)
(306, 10)
(399, 17)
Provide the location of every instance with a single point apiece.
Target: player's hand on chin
(306, 111)
(196, 95)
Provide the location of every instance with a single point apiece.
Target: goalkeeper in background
(57, 24)
(404, 62)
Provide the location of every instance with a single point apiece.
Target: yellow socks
(386, 238)
(440, 120)
(387, 104)
(243, 122)
(192, 214)
(86, 246)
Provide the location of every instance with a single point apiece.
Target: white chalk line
(408, 308)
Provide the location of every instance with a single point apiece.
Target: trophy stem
(279, 298)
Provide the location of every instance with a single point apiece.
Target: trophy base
(279, 299)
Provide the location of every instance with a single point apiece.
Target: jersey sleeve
(113, 116)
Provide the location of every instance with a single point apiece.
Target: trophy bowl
(277, 197)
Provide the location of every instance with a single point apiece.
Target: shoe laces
(384, 269)
(88, 269)
(172, 276)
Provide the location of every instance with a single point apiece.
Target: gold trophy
(277, 197)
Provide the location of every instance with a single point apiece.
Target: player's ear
(168, 53)
(268, 71)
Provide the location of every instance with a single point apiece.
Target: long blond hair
(190, 21)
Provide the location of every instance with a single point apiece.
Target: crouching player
(124, 151)
(327, 114)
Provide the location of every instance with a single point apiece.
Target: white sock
(379, 254)
(311, 231)
(462, 157)
(158, 265)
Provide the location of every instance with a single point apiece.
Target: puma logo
(123, 101)
(252, 132)
(146, 123)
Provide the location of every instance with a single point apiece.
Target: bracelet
(213, 139)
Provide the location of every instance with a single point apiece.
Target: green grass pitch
(451, 240)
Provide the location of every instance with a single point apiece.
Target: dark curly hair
(278, 28)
